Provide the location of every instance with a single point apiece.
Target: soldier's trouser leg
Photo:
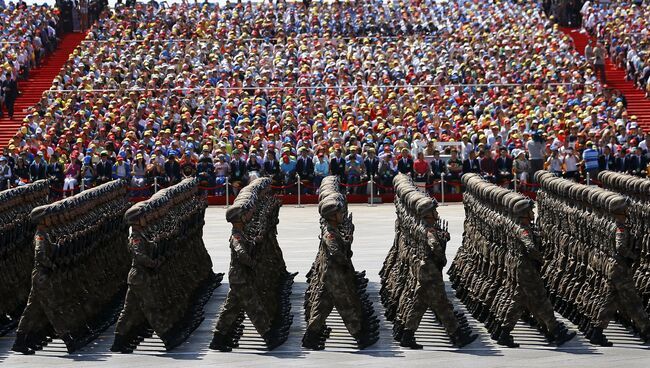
(605, 309)
(535, 299)
(628, 298)
(413, 315)
(321, 308)
(513, 312)
(441, 305)
(229, 313)
(345, 296)
(33, 319)
(131, 315)
(242, 297)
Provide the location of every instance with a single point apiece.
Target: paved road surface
(298, 230)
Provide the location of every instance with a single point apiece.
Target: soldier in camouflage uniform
(171, 276)
(16, 249)
(588, 257)
(260, 285)
(81, 262)
(495, 272)
(333, 282)
(412, 272)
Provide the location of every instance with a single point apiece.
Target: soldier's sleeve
(529, 246)
(332, 245)
(42, 252)
(141, 255)
(236, 242)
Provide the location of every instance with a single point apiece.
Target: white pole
(8, 183)
(588, 178)
(299, 190)
(372, 190)
(227, 193)
(515, 182)
(155, 184)
(442, 189)
(83, 185)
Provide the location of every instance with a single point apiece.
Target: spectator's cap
(172, 153)
(206, 148)
(139, 156)
(236, 152)
(104, 153)
(120, 158)
(589, 143)
(371, 150)
(2, 158)
(87, 160)
(39, 153)
(301, 149)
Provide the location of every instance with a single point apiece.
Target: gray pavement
(297, 232)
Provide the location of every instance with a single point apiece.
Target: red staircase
(637, 104)
(40, 79)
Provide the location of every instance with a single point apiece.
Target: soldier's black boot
(219, 342)
(20, 345)
(408, 340)
(121, 345)
(312, 341)
(461, 338)
(598, 338)
(561, 335)
(272, 340)
(506, 339)
(367, 339)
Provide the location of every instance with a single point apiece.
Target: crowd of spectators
(355, 89)
(624, 28)
(27, 33)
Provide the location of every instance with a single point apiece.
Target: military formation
(260, 285)
(496, 270)
(171, 277)
(637, 190)
(16, 249)
(411, 277)
(81, 260)
(588, 256)
(333, 281)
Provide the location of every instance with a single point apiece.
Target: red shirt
(421, 166)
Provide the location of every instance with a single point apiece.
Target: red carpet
(40, 79)
(637, 104)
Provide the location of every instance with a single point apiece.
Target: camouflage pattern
(332, 280)
(496, 270)
(260, 285)
(588, 253)
(81, 262)
(637, 190)
(411, 277)
(171, 277)
(16, 249)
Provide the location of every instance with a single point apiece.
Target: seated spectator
(172, 169)
(288, 167)
(321, 168)
(471, 164)
(371, 168)
(238, 173)
(305, 169)
(454, 171)
(636, 163)
(5, 174)
(87, 172)
(387, 170)
(338, 165)
(570, 162)
(103, 169)
(121, 169)
(38, 168)
(139, 172)
(487, 165)
(205, 173)
(271, 168)
(21, 171)
(405, 163)
(504, 164)
(555, 163)
(438, 171)
(421, 169)
(353, 171)
(221, 173)
(521, 169)
(55, 170)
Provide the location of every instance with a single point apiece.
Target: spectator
(72, 170)
(487, 166)
(438, 170)
(607, 161)
(321, 168)
(55, 170)
(271, 168)
(555, 163)
(570, 162)
(103, 169)
(139, 172)
(471, 164)
(237, 171)
(455, 170)
(21, 171)
(172, 169)
(405, 163)
(636, 163)
(305, 169)
(337, 165)
(121, 170)
(387, 170)
(421, 169)
(205, 172)
(38, 168)
(87, 173)
(590, 160)
(521, 168)
(5, 173)
(288, 167)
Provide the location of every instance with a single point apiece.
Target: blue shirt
(590, 157)
(321, 168)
